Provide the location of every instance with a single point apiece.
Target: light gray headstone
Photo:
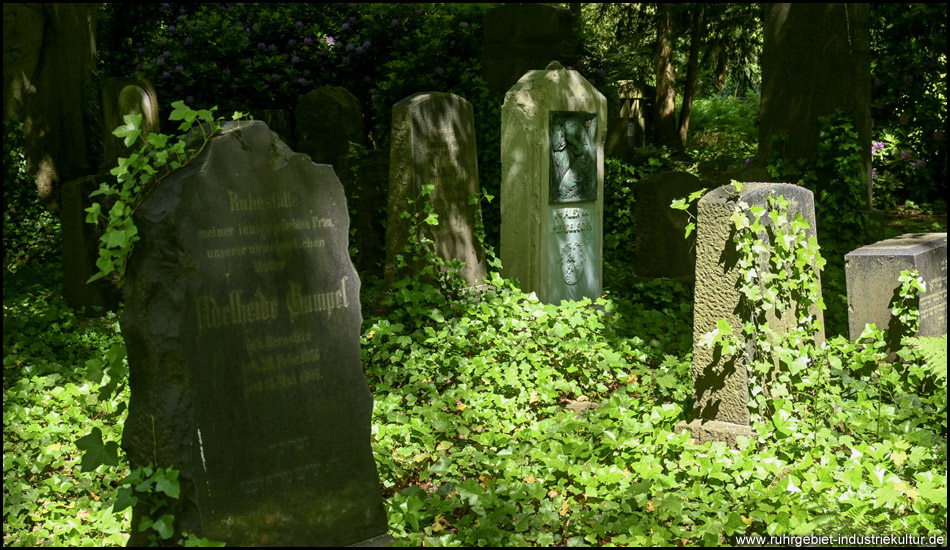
(242, 324)
(552, 192)
(720, 384)
(872, 273)
(433, 143)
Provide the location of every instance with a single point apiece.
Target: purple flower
(261, 46)
(463, 24)
(160, 62)
(873, 174)
(748, 161)
(308, 41)
(394, 22)
(298, 23)
(350, 47)
(352, 19)
(359, 49)
(291, 43)
(302, 81)
(188, 41)
(141, 50)
(179, 68)
(181, 11)
(918, 164)
(181, 18)
(248, 61)
(330, 41)
(417, 11)
(166, 6)
(275, 76)
(166, 53)
(295, 59)
(272, 47)
(877, 147)
(166, 74)
(905, 154)
(171, 28)
(367, 44)
(345, 26)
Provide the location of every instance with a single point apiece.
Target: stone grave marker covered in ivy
(553, 127)
(721, 381)
(433, 143)
(242, 323)
(873, 273)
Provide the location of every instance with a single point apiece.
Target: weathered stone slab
(433, 143)
(242, 325)
(552, 190)
(873, 272)
(627, 126)
(662, 249)
(81, 246)
(522, 37)
(720, 384)
(326, 121)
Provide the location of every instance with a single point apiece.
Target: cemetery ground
(500, 421)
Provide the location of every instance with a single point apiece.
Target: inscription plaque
(242, 324)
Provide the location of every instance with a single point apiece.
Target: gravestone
(662, 249)
(873, 272)
(242, 324)
(327, 119)
(552, 190)
(816, 59)
(433, 143)
(81, 245)
(370, 238)
(720, 384)
(280, 122)
(522, 37)
(627, 126)
(125, 96)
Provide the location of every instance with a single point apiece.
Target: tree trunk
(691, 69)
(721, 66)
(665, 109)
(49, 55)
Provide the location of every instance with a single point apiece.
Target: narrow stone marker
(433, 143)
(242, 324)
(553, 127)
(721, 384)
(872, 274)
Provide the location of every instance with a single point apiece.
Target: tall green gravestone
(553, 127)
(720, 383)
(242, 323)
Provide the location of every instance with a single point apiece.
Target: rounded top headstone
(554, 66)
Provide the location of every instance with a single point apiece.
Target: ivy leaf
(167, 482)
(165, 526)
(97, 453)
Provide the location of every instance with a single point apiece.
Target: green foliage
(158, 156)
(724, 132)
(909, 101)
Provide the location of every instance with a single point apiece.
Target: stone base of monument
(714, 430)
(382, 541)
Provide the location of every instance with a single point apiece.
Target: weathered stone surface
(627, 126)
(433, 143)
(552, 222)
(522, 37)
(662, 249)
(242, 324)
(125, 96)
(873, 272)
(743, 174)
(327, 119)
(81, 246)
(371, 184)
(281, 123)
(720, 385)
(816, 58)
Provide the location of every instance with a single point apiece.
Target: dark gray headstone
(720, 384)
(125, 96)
(522, 37)
(279, 121)
(433, 143)
(662, 248)
(627, 125)
(81, 245)
(242, 324)
(327, 120)
(371, 185)
(873, 271)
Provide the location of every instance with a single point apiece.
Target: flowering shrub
(909, 102)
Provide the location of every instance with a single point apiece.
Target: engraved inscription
(933, 302)
(573, 156)
(572, 220)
